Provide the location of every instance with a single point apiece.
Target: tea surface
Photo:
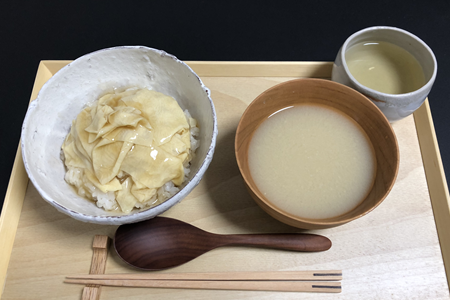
(384, 67)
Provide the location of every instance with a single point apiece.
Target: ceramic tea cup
(394, 105)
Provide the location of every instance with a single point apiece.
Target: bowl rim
(314, 223)
(143, 214)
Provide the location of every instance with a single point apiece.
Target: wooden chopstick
(282, 286)
(225, 276)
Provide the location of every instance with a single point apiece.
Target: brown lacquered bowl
(346, 100)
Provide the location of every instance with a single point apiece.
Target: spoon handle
(286, 241)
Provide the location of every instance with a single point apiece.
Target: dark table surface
(32, 31)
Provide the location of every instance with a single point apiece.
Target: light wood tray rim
(437, 184)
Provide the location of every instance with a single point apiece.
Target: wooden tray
(394, 252)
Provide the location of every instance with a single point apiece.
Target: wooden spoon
(162, 243)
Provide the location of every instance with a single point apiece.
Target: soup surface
(312, 161)
(385, 67)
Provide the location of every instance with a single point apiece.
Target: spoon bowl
(162, 243)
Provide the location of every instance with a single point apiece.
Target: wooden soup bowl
(353, 104)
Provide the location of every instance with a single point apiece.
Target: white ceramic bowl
(49, 118)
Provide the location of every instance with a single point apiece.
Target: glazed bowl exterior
(61, 99)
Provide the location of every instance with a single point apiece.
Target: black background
(31, 31)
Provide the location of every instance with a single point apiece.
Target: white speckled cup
(60, 100)
(394, 107)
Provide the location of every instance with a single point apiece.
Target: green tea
(384, 67)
